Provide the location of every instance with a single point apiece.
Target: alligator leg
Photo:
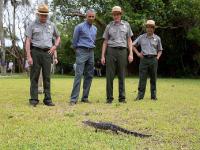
(116, 132)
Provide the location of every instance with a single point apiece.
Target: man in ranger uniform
(151, 50)
(117, 39)
(40, 50)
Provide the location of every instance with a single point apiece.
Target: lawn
(173, 120)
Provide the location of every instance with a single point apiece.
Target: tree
(2, 51)
(177, 22)
(14, 49)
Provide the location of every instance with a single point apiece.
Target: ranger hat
(43, 9)
(150, 22)
(116, 9)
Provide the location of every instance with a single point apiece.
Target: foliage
(194, 35)
(177, 22)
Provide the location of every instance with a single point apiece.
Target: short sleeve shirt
(118, 34)
(149, 45)
(41, 35)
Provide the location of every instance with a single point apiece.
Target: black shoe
(154, 98)
(138, 98)
(85, 101)
(49, 103)
(109, 101)
(33, 102)
(71, 103)
(122, 101)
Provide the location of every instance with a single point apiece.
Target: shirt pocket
(49, 32)
(112, 34)
(84, 33)
(144, 42)
(37, 32)
(123, 34)
(154, 43)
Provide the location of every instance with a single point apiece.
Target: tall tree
(14, 50)
(2, 51)
(178, 24)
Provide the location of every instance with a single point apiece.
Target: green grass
(174, 120)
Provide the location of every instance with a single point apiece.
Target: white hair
(90, 10)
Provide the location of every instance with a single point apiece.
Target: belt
(86, 48)
(150, 56)
(119, 47)
(40, 49)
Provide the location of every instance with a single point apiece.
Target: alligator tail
(136, 134)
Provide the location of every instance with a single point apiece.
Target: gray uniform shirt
(149, 45)
(117, 34)
(41, 35)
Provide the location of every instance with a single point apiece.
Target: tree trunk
(2, 42)
(13, 35)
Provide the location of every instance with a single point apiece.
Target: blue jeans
(84, 66)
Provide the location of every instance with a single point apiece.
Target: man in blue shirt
(84, 43)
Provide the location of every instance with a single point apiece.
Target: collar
(89, 25)
(37, 21)
(121, 22)
(153, 36)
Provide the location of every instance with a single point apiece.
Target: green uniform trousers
(41, 59)
(116, 62)
(147, 66)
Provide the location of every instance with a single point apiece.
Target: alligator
(112, 127)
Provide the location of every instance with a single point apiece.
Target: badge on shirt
(49, 29)
(124, 26)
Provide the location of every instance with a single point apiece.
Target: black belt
(40, 49)
(149, 56)
(119, 47)
(86, 48)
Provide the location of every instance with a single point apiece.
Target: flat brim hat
(151, 23)
(43, 9)
(117, 9)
